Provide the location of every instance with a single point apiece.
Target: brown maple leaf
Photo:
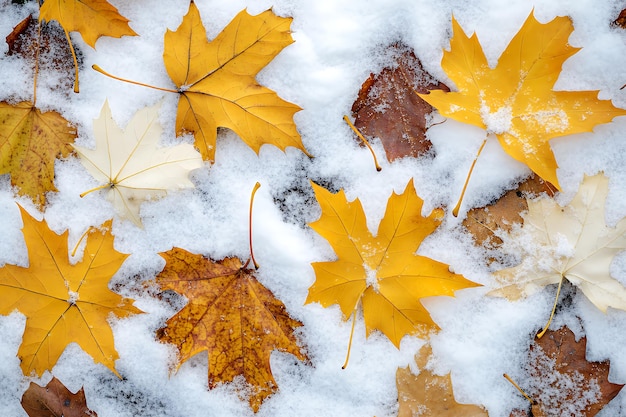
(388, 108)
(428, 394)
(55, 400)
(562, 382)
(230, 315)
(30, 142)
(484, 222)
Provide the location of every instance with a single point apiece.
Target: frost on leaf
(382, 273)
(515, 100)
(388, 108)
(562, 382)
(571, 242)
(230, 316)
(489, 224)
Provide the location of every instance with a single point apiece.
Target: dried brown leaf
(621, 20)
(482, 222)
(55, 400)
(55, 56)
(428, 394)
(388, 108)
(562, 382)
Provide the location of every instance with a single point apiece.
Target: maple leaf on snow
(571, 242)
(91, 18)
(30, 142)
(130, 165)
(55, 400)
(381, 272)
(388, 108)
(562, 382)
(217, 85)
(515, 100)
(428, 394)
(231, 316)
(64, 303)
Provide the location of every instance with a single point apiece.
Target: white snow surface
(337, 45)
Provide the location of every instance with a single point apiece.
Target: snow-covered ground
(337, 45)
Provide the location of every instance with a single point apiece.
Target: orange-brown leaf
(30, 141)
(230, 315)
(428, 394)
(388, 108)
(64, 303)
(91, 18)
(55, 400)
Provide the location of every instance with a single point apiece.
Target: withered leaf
(49, 49)
(55, 400)
(482, 222)
(621, 20)
(30, 142)
(428, 394)
(388, 108)
(231, 316)
(562, 382)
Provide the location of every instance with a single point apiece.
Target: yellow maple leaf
(64, 303)
(216, 81)
(515, 100)
(381, 272)
(30, 141)
(91, 18)
(217, 84)
(230, 315)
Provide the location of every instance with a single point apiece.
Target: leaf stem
(345, 364)
(256, 187)
(81, 239)
(455, 212)
(355, 130)
(69, 42)
(36, 74)
(508, 378)
(100, 187)
(556, 299)
(101, 71)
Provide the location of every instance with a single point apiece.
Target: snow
(337, 45)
